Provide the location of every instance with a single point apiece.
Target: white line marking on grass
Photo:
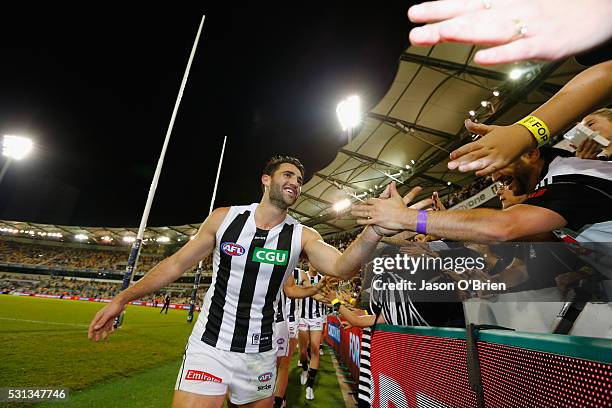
(43, 322)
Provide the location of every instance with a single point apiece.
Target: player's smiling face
(285, 185)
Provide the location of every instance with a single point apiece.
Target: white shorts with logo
(311, 324)
(281, 337)
(293, 328)
(207, 370)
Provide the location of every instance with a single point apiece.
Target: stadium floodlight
(163, 240)
(16, 147)
(129, 239)
(496, 93)
(342, 205)
(448, 183)
(349, 114)
(80, 237)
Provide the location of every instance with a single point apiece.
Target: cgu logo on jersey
(232, 249)
(271, 256)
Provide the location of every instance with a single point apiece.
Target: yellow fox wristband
(336, 300)
(538, 129)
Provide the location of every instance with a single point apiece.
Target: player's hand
(329, 294)
(588, 149)
(332, 283)
(322, 284)
(499, 146)
(102, 324)
(386, 213)
(518, 29)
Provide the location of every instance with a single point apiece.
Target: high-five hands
(387, 211)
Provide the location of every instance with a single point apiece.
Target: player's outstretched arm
(501, 145)
(165, 272)
(294, 291)
(344, 265)
(332, 262)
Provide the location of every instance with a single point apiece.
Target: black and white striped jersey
(288, 309)
(281, 308)
(311, 309)
(249, 268)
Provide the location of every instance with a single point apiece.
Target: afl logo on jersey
(265, 377)
(232, 249)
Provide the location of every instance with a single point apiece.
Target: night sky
(96, 90)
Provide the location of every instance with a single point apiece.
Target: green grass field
(44, 344)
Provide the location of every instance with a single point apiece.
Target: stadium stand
(87, 288)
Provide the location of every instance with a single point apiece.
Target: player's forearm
(478, 225)
(300, 292)
(356, 254)
(159, 276)
(587, 91)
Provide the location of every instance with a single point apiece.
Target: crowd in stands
(82, 258)
(64, 257)
(466, 192)
(64, 286)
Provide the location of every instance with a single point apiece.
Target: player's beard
(278, 199)
(522, 177)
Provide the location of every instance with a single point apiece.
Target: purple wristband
(421, 224)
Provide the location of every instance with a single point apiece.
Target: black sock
(305, 365)
(278, 402)
(312, 373)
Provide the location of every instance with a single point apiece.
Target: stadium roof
(406, 137)
(409, 134)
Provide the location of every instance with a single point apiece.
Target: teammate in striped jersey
(255, 248)
(310, 329)
(295, 289)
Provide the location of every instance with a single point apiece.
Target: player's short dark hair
(275, 161)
